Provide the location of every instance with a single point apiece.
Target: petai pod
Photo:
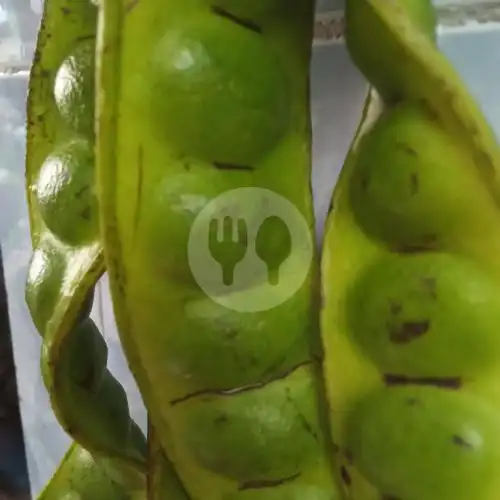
(67, 259)
(411, 274)
(84, 476)
(199, 99)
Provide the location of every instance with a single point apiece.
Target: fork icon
(228, 242)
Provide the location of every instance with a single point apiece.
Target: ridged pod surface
(411, 274)
(67, 261)
(198, 98)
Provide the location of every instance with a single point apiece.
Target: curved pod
(199, 99)
(411, 275)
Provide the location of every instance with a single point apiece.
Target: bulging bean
(427, 315)
(206, 97)
(46, 272)
(212, 348)
(65, 193)
(266, 434)
(74, 88)
(423, 443)
(416, 187)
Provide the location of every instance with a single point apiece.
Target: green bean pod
(84, 476)
(67, 259)
(411, 274)
(197, 99)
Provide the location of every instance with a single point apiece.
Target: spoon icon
(273, 245)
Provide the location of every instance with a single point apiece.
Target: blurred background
(469, 35)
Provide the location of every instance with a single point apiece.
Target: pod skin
(411, 274)
(67, 259)
(196, 99)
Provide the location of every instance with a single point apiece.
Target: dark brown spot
(349, 457)
(266, 483)
(85, 38)
(430, 286)
(441, 382)
(231, 166)
(413, 402)
(86, 213)
(82, 191)
(331, 208)
(395, 308)
(365, 182)
(66, 11)
(231, 334)
(139, 189)
(131, 5)
(221, 419)
(408, 331)
(414, 184)
(238, 390)
(407, 149)
(461, 442)
(346, 478)
(427, 244)
(481, 157)
(410, 249)
(245, 23)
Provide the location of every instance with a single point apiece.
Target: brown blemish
(238, 390)
(414, 184)
(482, 158)
(221, 419)
(395, 308)
(344, 474)
(408, 331)
(407, 149)
(231, 166)
(413, 402)
(131, 6)
(139, 188)
(231, 334)
(428, 243)
(430, 286)
(245, 23)
(85, 38)
(86, 214)
(82, 191)
(441, 382)
(461, 442)
(267, 483)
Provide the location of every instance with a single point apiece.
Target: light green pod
(411, 274)
(199, 98)
(67, 261)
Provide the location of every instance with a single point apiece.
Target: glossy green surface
(67, 261)
(215, 97)
(410, 274)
